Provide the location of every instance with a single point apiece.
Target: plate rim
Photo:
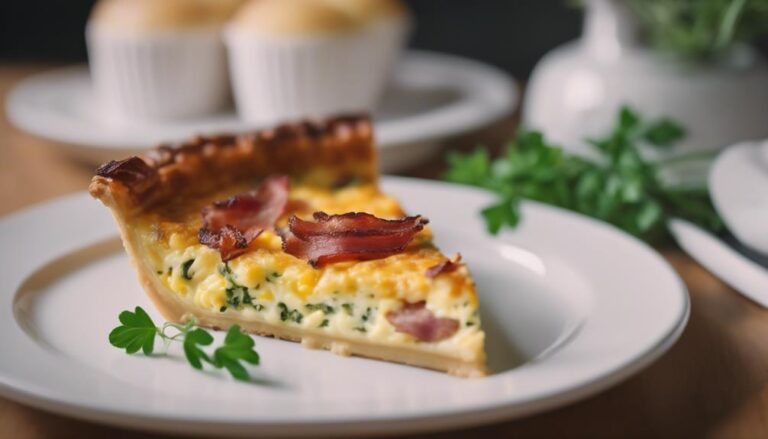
(479, 414)
(444, 122)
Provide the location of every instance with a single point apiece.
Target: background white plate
(726, 260)
(570, 307)
(432, 97)
(738, 184)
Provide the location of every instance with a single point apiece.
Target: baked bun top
(371, 10)
(160, 15)
(314, 16)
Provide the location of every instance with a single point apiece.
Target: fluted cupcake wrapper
(155, 77)
(276, 78)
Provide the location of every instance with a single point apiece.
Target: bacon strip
(415, 319)
(445, 266)
(347, 237)
(132, 172)
(231, 225)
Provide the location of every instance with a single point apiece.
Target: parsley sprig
(701, 29)
(138, 332)
(621, 187)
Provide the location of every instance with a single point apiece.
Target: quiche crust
(340, 149)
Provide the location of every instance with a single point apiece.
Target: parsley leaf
(621, 187)
(663, 133)
(192, 342)
(137, 331)
(504, 213)
(237, 347)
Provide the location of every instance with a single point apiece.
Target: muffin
(156, 60)
(291, 59)
(388, 20)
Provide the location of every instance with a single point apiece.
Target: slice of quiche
(286, 233)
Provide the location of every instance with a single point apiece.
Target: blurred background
(510, 34)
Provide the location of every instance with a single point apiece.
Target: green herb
(470, 323)
(324, 307)
(701, 29)
(367, 314)
(237, 295)
(185, 269)
(349, 308)
(621, 188)
(193, 341)
(289, 315)
(272, 276)
(360, 329)
(346, 182)
(237, 347)
(138, 331)
(324, 323)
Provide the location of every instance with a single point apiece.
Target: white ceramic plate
(432, 97)
(570, 306)
(738, 183)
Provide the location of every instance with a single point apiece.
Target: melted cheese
(346, 298)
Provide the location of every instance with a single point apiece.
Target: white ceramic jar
(576, 89)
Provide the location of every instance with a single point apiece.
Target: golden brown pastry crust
(322, 152)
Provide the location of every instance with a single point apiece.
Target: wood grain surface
(712, 383)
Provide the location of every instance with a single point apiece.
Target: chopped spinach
(289, 315)
(325, 308)
(237, 295)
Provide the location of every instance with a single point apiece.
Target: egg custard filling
(403, 307)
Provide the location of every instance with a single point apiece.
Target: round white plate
(432, 97)
(570, 306)
(738, 183)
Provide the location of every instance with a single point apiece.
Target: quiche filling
(343, 299)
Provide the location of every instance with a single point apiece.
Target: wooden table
(713, 382)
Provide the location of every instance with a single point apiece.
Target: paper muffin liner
(279, 77)
(393, 34)
(158, 76)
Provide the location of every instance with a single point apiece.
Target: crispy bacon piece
(133, 172)
(415, 319)
(445, 266)
(347, 237)
(232, 224)
(228, 240)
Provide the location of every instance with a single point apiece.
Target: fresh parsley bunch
(138, 332)
(701, 29)
(621, 188)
